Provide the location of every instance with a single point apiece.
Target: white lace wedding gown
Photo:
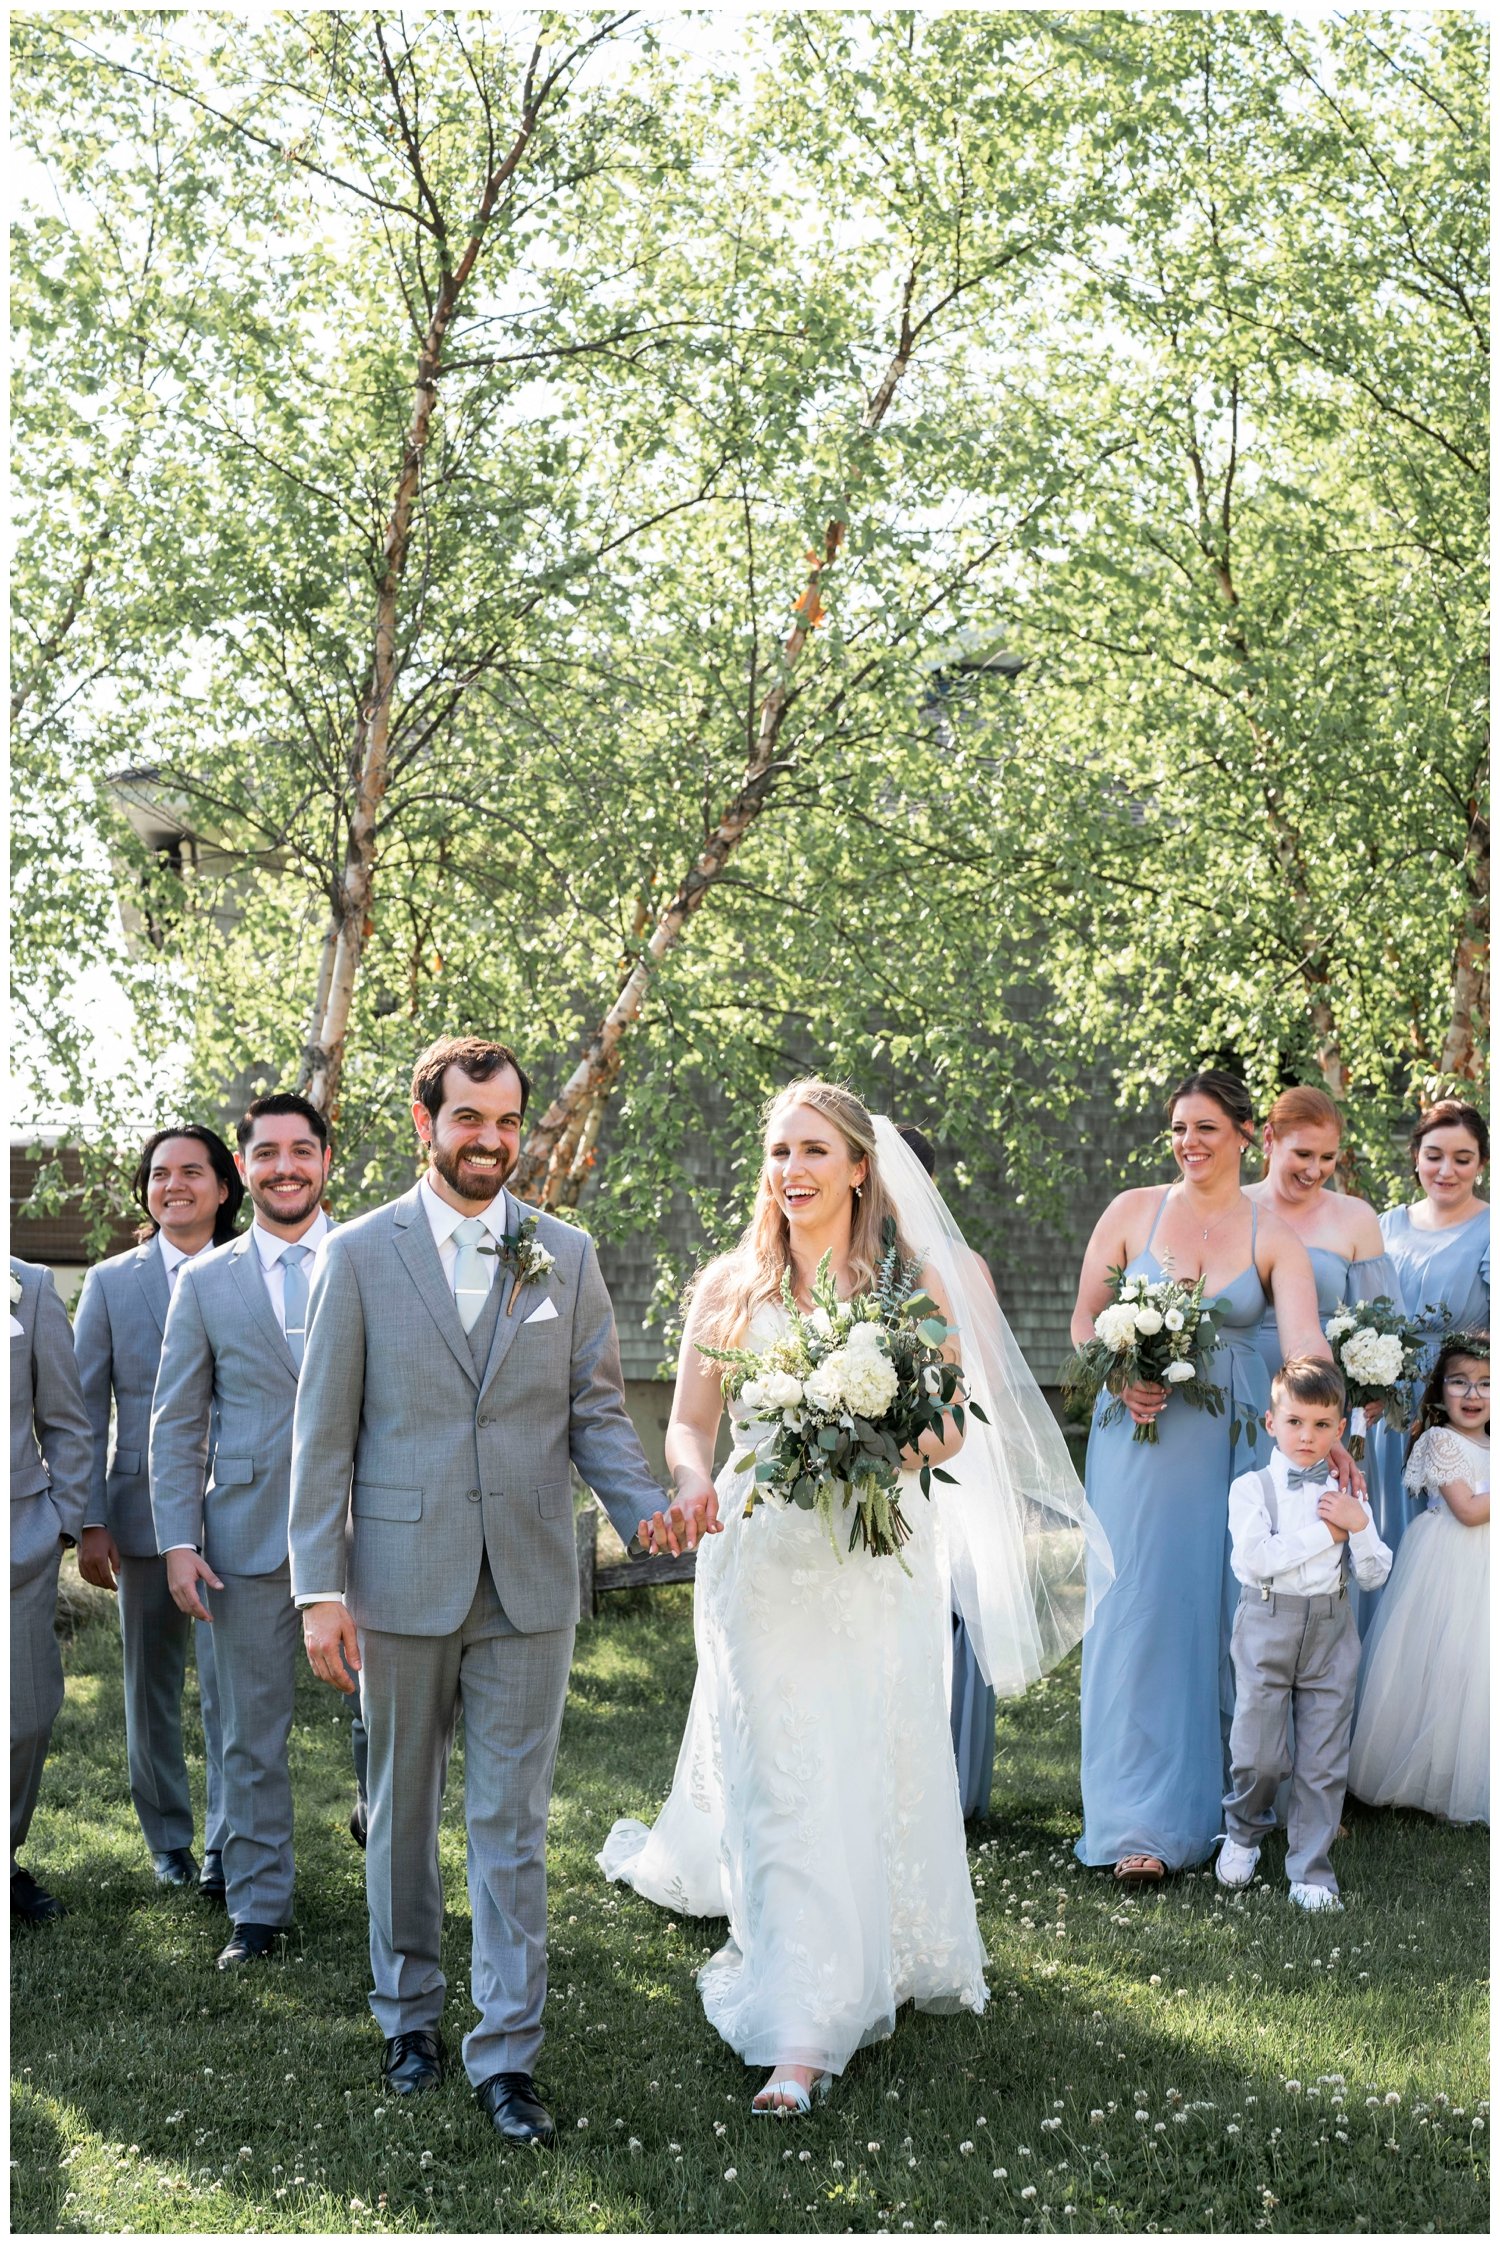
(815, 1803)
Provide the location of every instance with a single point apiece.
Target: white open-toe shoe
(797, 2100)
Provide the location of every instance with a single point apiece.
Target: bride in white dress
(815, 1802)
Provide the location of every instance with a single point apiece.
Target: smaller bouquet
(1156, 1330)
(838, 1398)
(1379, 1353)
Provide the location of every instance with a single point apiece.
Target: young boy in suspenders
(1295, 1645)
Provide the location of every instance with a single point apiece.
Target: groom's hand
(332, 1642)
(680, 1526)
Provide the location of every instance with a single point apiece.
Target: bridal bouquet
(1379, 1353)
(837, 1397)
(1157, 1330)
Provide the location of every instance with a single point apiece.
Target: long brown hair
(737, 1284)
(1433, 1411)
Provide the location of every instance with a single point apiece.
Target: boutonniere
(521, 1250)
(15, 1289)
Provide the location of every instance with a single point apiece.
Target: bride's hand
(680, 1526)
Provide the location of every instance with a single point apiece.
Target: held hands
(1348, 1475)
(1343, 1515)
(1144, 1401)
(680, 1526)
(332, 1642)
(185, 1570)
(98, 1558)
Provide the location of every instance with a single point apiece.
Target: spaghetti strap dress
(1445, 1282)
(1158, 1686)
(1340, 1284)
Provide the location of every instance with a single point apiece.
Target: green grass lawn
(1177, 2060)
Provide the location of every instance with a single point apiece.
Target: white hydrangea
(862, 1380)
(1339, 1325)
(1373, 1358)
(1177, 1375)
(1116, 1326)
(868, 1336)
(1148, 1320)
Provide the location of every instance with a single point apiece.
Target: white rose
(1174, 1320)
(1116, 1326)
(752, 1394)
(780, 1391)
(1148, 1320)
(821, 1322)
(1176, 1374)
(932, 1379)
(1338, 1326)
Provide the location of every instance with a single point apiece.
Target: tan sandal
(1140, 1870)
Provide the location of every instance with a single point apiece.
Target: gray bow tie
(1314, 1476)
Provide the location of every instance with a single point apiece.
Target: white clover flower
(1029, 2191)
(966, 2150)
(1176, 1374)
(997, 2173)
(731, 2173)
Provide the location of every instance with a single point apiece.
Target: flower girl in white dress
(1422, 1723)
(816, 1802)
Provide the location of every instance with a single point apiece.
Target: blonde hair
(735, 1286)
(1305, 1105)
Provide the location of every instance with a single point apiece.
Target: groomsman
(221, 1446)
(461, 1361)
(50, 1450)
(187, 1183)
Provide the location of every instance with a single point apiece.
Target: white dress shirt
(1300, 1556)
(495, 1215)
(271, 1249)
(173, 1257)
(444, 1220)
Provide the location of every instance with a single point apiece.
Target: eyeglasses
(1457, 1382)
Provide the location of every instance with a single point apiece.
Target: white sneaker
(1316, 1898)
(1236, 1864)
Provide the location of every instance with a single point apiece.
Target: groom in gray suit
(461, 1361)
(221, 1454)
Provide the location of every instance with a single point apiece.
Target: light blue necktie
(294, 1299)
(1314, 1476)
(471, 1285)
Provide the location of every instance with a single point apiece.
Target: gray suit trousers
(512, 1689)
(257, 1647)
(155, 1635)
(1292, 1655)
(36, 1693)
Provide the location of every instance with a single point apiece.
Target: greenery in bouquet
(836, 1399)
(1379, 1353)
(1154, 1331)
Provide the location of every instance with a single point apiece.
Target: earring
(858, 1190)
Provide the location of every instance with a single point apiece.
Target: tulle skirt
(1422, 1717)
(816, 1802)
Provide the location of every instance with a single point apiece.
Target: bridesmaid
(1440, 1248)
(1157, 1683)
(1340, 1232)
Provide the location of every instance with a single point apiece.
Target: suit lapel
(151, 1271)
(509, 1321)
(418, 1250)
(245, 1263)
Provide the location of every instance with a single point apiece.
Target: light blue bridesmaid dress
(971, 1717)
(1445, 1282)
(1158, 1687)
(1340, 1284)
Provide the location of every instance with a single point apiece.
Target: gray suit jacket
(222, 1482)
(51, 1449)
(408, 1464)
(117, 1331)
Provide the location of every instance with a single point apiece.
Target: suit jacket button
(486, 1421)
(472, 1494)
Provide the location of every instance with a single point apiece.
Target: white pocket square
(540, 1316)
(18, 1330)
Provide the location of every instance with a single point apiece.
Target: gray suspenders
(1267, 1481)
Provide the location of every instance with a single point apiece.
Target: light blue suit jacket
(117, 1332)
(51, 1450)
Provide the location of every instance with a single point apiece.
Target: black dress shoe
(511, 2101)
(211, 1878)
(412, 2061)
(359, 1823)
(32, 1903)
(250, 1944)
(175, 1868)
